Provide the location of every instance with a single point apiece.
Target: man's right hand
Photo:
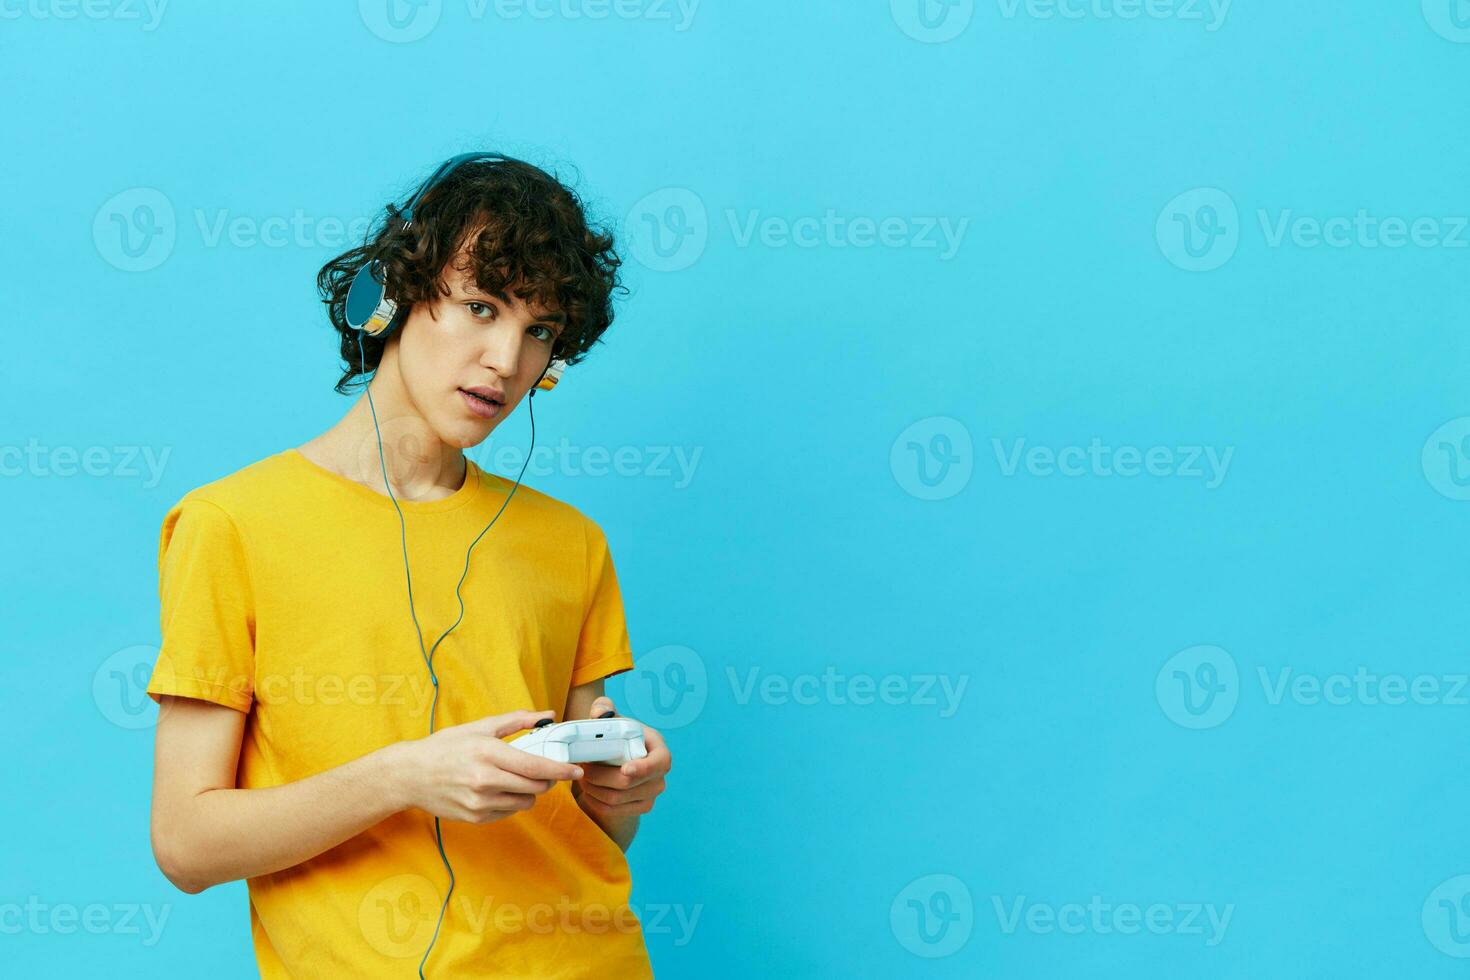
(468, 773)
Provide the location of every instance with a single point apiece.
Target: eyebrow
(556, 316)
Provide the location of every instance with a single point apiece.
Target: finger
(535, 767)
(657, 762)
(515, 802)
(603, 707)
(619, 797)
(653, 740)
(611, 777)
(600, 774)
(514, 782)
(516, 721)
(477, 811)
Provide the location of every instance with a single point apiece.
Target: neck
(419, 465)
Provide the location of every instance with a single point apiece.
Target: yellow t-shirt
(283, 595)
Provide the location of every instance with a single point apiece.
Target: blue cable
(417, 631)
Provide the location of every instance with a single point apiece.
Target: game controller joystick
(612, 741)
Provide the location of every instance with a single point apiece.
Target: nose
(503, 350)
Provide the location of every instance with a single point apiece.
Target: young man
(298, 683)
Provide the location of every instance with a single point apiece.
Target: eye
(550, 334)
(479, 310)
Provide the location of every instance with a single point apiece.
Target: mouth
(482, 402)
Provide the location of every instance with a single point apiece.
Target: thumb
(602, 706)
(515, 721)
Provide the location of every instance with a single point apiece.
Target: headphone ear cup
(550, 376)
(368, 307)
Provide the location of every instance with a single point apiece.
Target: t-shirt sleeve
(602, 648)
(206, 608)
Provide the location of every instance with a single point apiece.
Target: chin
(468, 435)
(463, 440)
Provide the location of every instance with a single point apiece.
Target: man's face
(469, 341)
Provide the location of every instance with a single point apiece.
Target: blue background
(804, 540)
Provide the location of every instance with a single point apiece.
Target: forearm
(223, 835)
(622, 830)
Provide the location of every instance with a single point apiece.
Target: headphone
(370, 311)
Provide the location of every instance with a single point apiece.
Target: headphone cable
(428, 655)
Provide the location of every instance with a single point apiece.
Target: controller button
(543, 722)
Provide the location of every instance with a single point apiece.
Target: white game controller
(613, 741)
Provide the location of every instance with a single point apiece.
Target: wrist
(620, 830)
(393, 771)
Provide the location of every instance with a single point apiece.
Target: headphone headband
(445, 169)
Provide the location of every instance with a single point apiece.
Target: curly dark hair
(522, 231)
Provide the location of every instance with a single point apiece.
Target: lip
(477, 407)
(487, 392)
